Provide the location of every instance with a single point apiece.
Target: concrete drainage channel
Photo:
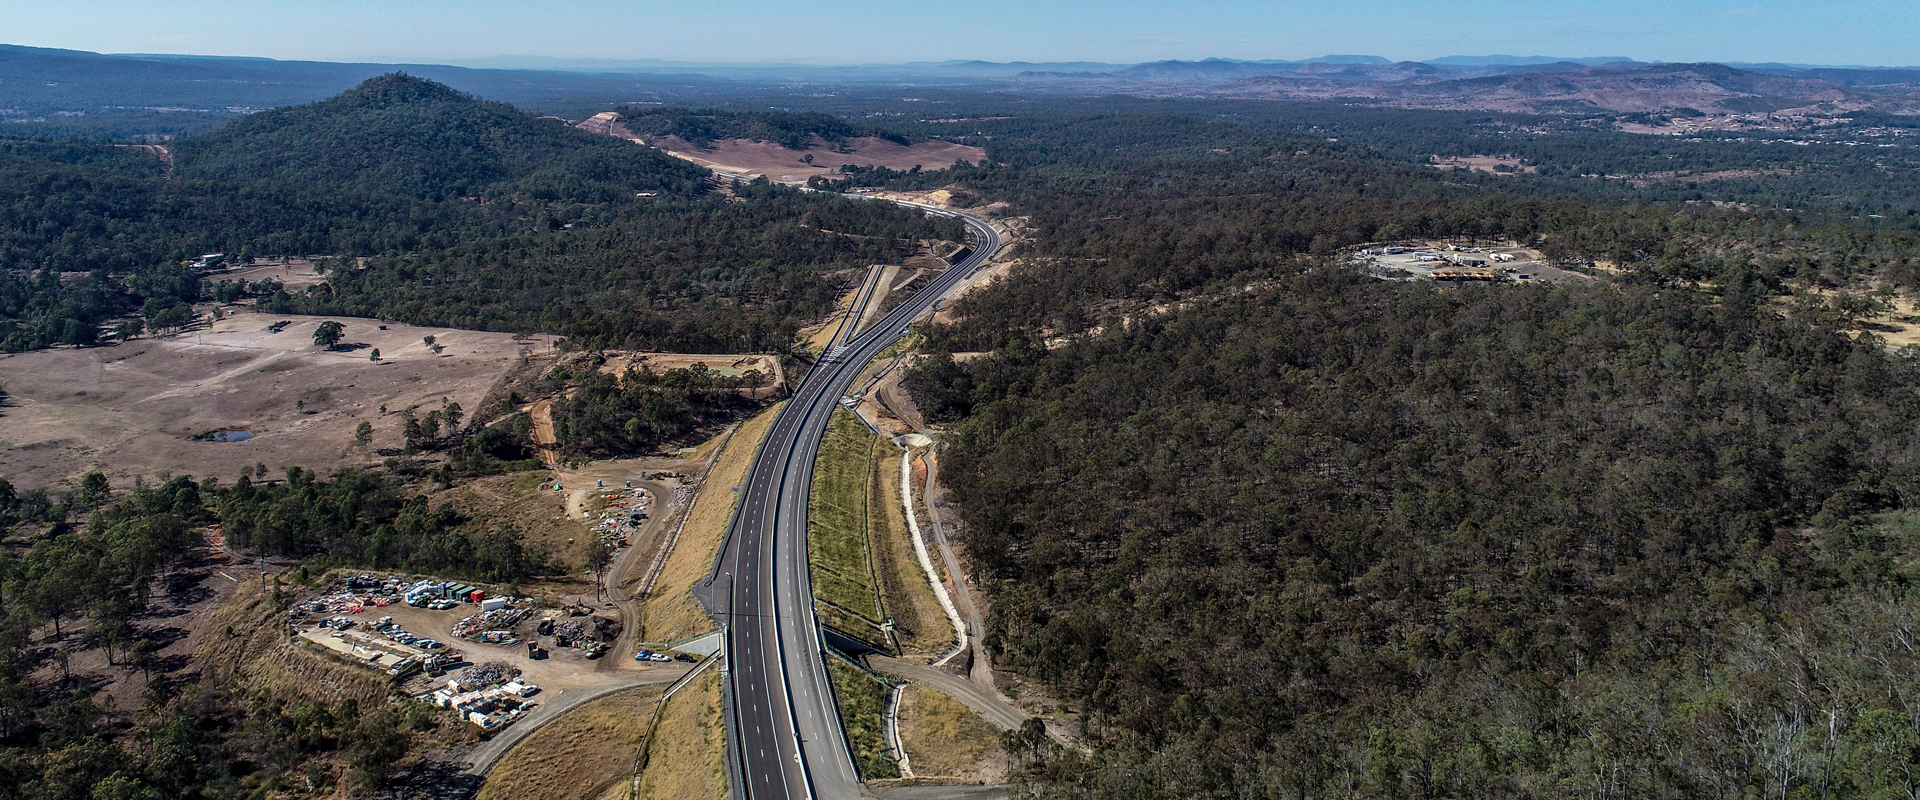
(926, 563)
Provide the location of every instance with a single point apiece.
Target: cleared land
(945, 739)
(134, 408)
(293, 273)
(687, 758)
(777, 163)
(671, 612)
(578, 756)
(732, 366)
(838, 548)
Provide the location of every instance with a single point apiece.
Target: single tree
(363, 434)
(328, 334)
(599, 556)
(94, 489)
(375, 355)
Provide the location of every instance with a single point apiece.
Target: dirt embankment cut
(779, 164)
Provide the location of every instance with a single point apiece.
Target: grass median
(838, 546)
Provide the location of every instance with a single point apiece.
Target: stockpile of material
(481, 676)
(488, 626)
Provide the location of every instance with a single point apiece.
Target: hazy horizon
(842, 33)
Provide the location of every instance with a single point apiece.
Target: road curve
(783, 728)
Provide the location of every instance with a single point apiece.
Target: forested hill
(473, 215)
(401, 134)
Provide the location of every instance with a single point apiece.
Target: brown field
(728, 365)
(671, 612)
(293, 273)
(945, 739)
(744, 157)
(579, 755)
(133, 408)
(687, 758)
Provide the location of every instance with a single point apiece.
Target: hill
(481, 216)
(402, 134)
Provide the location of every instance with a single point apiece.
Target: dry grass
(671, 612)
(946, 739)
(540, 517)
(687, 759)
(579, 755)
(133, 408)
(919, 624)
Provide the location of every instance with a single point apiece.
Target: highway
(782, 724)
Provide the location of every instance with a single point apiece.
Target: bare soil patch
(777, 163)
(1485, 164)
(293, 273)
(134, 408)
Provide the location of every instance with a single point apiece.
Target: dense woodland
(636, 411)
(1280, 529)
(796, 131)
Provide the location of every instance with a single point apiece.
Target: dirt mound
(747, 157)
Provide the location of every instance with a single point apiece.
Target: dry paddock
(134, 408)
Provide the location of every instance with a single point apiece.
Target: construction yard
(136, 407)
(1455, 263)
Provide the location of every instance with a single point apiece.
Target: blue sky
(1878, 32)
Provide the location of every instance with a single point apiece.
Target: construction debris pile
(581, 633)
(494, 626)
(350, 595)
(481, 676)
(624, 515)
(488, 695)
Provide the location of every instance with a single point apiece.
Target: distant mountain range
(41, 83)
(1500, 84)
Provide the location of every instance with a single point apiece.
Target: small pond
(224, 436)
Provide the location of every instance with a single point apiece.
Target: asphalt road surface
(783, 726)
